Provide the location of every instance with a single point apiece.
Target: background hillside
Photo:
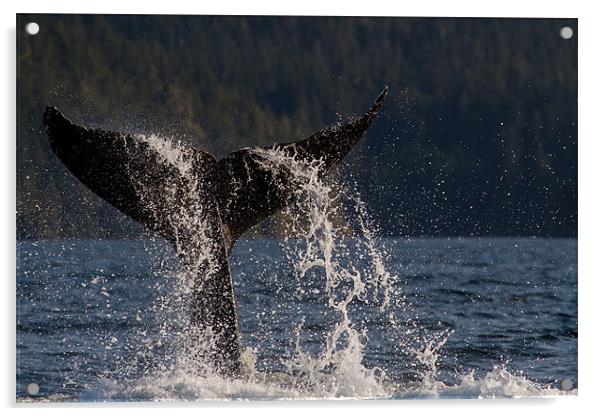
(478, 136)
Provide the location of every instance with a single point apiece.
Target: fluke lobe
(202, 207)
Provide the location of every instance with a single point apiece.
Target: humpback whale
(200, 205)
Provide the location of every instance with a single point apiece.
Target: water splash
(317, 245)
(339, 369)
(428, 358)
(179, 201)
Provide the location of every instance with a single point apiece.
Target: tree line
(478, 136)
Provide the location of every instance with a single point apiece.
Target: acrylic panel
(270, 207)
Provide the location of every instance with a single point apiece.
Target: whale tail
(130, 172)
(248, 194)
(123, 169)
(244, 193)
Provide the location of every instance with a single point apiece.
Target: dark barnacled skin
(231, 196)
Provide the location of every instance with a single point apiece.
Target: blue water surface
(85, 308)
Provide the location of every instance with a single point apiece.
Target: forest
(478, 136)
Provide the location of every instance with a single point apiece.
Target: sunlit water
(473, 318)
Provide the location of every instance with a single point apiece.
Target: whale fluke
(248, 194)
(132, 175)
(198, 196)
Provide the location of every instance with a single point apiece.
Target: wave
(498, 383)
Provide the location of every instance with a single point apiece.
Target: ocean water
(464, 318)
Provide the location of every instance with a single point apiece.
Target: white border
(589, 209)
(460, 8)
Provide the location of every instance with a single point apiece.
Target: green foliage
(228, 82)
